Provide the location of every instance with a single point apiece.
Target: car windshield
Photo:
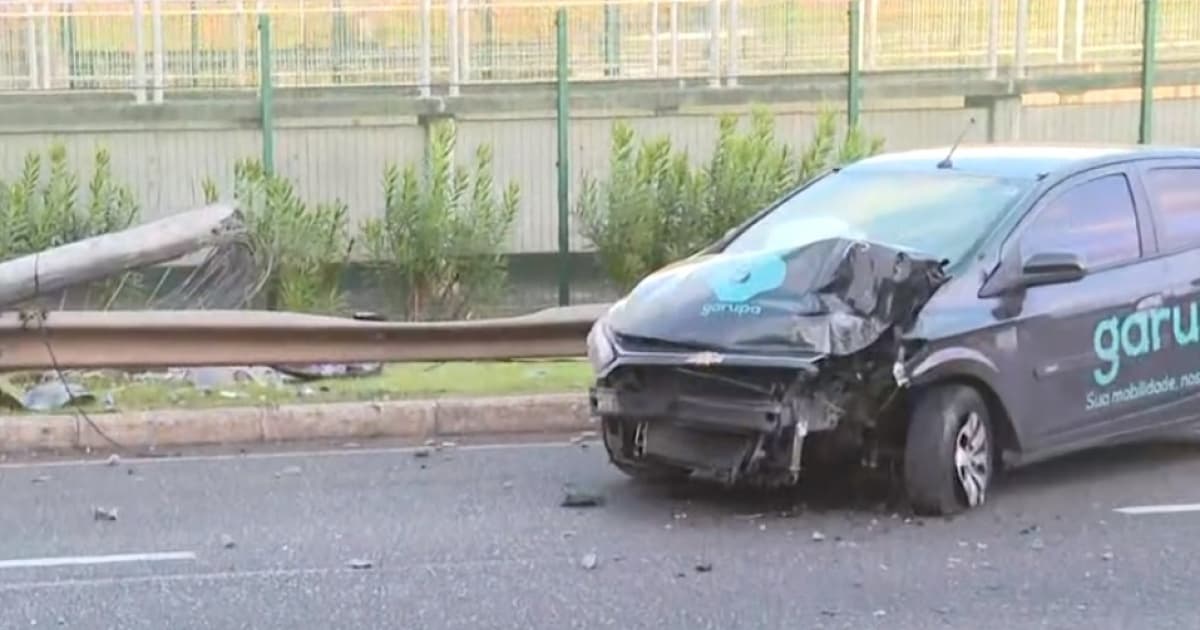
(942, 214)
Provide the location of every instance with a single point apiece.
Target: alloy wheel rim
(971, 459)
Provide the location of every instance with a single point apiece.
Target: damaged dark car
(938, 313)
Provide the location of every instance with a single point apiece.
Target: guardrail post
(1080, 13)
(31, 46)
(1021, 54)
(854, 78)
(156, 22)
(731, 67)
(1149, 67)
(425, 82)
(562, 127)
(993, 43)
(139, 51)
(266, 93)
(714, 43)
(452, 27)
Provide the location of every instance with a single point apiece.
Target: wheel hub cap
(971, 459)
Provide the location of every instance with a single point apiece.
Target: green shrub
(305, 247)
(438, 246)
(655, 207)
(45, 208)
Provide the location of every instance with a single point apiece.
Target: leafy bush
(306, 246)
(655, 207)
(44, 208)
(439, 242)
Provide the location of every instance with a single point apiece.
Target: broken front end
(753, 367)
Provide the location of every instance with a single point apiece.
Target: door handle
(1150, 301)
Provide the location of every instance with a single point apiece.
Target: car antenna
(946, 163)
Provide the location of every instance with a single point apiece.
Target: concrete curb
(446, 417)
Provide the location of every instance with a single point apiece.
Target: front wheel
(948, 455)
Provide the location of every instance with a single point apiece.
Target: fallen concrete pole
(104, 256)
(148, 339)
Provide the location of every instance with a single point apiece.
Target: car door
(1072, 335)
(1172, 190)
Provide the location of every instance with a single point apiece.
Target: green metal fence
(157, 46)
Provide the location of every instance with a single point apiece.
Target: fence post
(156, 24)
(68, 35)
(731, 67)
(139, 52)
(1060, 32)
(714, 43)
(1022, 42)
(266, 93)
(1080, 12)
(993, 42)
(452, 45)
(31, 47)
(871, 26)
(563, 119)
(239, 27)
(674, 19)
(340, 39)
(426, 71)
(47, 69)
(854, 76)
(464, 58)
(1149, 67)
(612, 40)
(654, 32)
(194, 27)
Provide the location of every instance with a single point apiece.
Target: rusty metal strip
(144, 339)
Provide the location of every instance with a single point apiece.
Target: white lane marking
(1160, 509)
(66, 561)
(342, 452)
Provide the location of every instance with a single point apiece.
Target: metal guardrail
(146, 339)
(197, 44)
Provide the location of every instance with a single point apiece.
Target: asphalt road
(475, 537)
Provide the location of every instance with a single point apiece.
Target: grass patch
(396, 382)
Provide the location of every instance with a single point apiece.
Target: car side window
(1095, 220)
(1175, 195)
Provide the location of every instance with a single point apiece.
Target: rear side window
(1095, 219)
(1175, 194)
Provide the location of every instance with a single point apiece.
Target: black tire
(616, 442)
(931, 477)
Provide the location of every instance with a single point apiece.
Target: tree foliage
(655, 206)
(439, 244)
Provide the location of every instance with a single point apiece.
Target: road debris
(113, 460)
(818, 536)
(1038, 544)
(1107, 555)
(704, 567)
(290, 471)
(104, 514)
(360, 564)
(41, 479)
(575, 498)
(589, 561)
(421, 453)
(227, 541)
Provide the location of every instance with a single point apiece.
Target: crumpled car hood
(830, 297)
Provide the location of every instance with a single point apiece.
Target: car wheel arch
(1003, 427)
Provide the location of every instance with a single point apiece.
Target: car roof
(1015, 160)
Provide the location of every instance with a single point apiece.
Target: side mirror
(1052, 268)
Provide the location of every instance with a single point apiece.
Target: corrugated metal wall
(331, 159)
